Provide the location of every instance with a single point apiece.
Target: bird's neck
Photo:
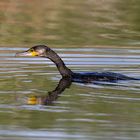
(64, 71)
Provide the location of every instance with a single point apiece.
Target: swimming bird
(81, 77)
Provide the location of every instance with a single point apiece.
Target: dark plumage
(44, 51)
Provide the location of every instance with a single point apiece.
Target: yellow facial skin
(33, 53)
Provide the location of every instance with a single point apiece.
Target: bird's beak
(27, 53)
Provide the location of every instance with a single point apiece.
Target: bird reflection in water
(52, 95)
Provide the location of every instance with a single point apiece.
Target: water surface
(82, 111)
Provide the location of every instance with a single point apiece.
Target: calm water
(89, 36)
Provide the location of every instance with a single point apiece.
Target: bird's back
(89, 77)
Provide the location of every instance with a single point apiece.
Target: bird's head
(39, 50)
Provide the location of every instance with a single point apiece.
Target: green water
(61, 22)
(89, 36)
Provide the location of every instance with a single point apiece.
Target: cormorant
(84, 77)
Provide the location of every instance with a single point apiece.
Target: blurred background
(89, 35)
(80, 22)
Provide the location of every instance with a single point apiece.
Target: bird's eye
(31, 50)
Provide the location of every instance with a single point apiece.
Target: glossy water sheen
(89, 36)
(82, 111)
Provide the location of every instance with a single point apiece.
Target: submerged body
(84, 77)
(91, 77)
